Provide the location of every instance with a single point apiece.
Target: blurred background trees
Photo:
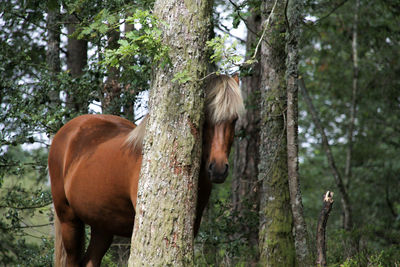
(53, 57)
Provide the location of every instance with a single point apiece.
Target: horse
(94, 166)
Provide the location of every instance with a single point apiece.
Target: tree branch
(332, 11)
(237, 8)
(335, 172)
(26, 207)
(225, 29)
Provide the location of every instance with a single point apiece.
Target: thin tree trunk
(76, 62)
(321, 229)
(53, 46)
(353, 104)
(129, 108)
(166, 199)
(112, 88)
(275, 236)
(335, 172)
(245, 193)
(54, 65)
(299, 224)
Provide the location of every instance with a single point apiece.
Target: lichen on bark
(163, 230)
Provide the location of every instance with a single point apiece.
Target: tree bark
(112, 88)
(53, 39)
(299, 224)
(245, 186)
(335, 172)
(321, 229)
(275, 235)
(76, 62)
(166, 202)
(53, 47)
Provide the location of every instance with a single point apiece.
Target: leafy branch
(227, 56)
(144, 41)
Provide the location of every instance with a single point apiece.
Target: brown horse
(94, 166)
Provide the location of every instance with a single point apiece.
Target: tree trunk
(245, 186)
(76, 62)
(347, 222)
(321, 229)
(112, 88)
(165, 210)
(53, 47)
(129, 108)
(275, 235)
(292, 74)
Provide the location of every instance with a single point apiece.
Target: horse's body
(94, 166)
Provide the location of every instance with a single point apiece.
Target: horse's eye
(234, 120)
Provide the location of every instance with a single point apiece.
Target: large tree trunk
(76, 62)
(165, 210)
(292, 74)
(275, 236)
(245, 186)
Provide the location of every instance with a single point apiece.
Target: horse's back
(93, 173)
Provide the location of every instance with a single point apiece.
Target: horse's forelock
(223, 99)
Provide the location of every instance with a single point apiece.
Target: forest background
(60, 59)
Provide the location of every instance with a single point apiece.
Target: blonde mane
(223, 99)
(223, 102)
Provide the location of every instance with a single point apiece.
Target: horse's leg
(100, 241)
(73, 238)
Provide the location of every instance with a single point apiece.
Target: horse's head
(224, 104)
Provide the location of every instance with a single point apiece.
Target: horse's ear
(236, 77)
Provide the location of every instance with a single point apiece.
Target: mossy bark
(165, 210)
(275, 236)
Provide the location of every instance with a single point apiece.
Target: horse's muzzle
(218, 172)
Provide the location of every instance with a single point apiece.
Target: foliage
(326, 64)
(25, 208)
(387, 257)
(144, 41)
(221, 240)
(225, 56)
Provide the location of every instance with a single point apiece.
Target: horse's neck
(204, 187)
